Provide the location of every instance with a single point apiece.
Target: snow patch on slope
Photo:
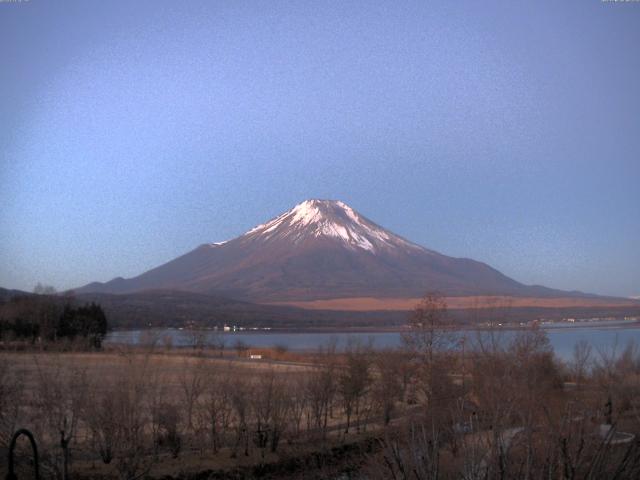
(306, 213)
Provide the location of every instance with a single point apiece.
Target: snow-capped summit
(314, 219)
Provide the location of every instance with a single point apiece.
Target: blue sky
(508, 132)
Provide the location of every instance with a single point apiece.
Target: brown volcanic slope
(322, 250)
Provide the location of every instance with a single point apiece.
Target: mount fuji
(321, 250)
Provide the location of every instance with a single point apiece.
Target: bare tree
(535, 377)
(130, 399)
(60, 398)
(387, 386)
(154, 400)
(197, 339)
(216, 342)
(99, 417)
(240, 394)
(354, 379)
(169, 428)
(321, 388)
(297, 387)
(426, 335)
(580, 361)
(191, 388)
(11, 400)
(428, 340)
(269, 406)
(413, 454)
(215, 406)
(492, 378)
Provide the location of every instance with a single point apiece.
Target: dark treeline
(45, 317)
(180, 309)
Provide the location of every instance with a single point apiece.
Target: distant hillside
(6, 294)
(175, 308)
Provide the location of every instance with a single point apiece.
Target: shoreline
(626, 323)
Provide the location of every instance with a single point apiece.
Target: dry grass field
(506, 410)
(473, 302)
(129, 411)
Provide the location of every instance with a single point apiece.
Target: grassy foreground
(501, 408)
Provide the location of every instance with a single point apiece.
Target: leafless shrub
(412, 454)
(241, 348)
(167, 342)
(169, 430)
(216, 342)
(99, 416)
(11, 399)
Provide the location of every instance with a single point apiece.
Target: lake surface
(603, 336)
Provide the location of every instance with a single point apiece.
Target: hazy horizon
(132, 133)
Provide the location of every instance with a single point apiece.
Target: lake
(602, 335)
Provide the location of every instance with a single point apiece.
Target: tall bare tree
(215, 409)
(191, 381)
(354, 380)
(321, 388)
(429, 340)
(61, 394)
(580, 361)
(387, 387)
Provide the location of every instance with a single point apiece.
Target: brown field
(472, 302)
(169, 376)
(169, 414)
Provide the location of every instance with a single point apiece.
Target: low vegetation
(500, 406)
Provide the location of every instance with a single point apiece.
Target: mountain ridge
(322, 249)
